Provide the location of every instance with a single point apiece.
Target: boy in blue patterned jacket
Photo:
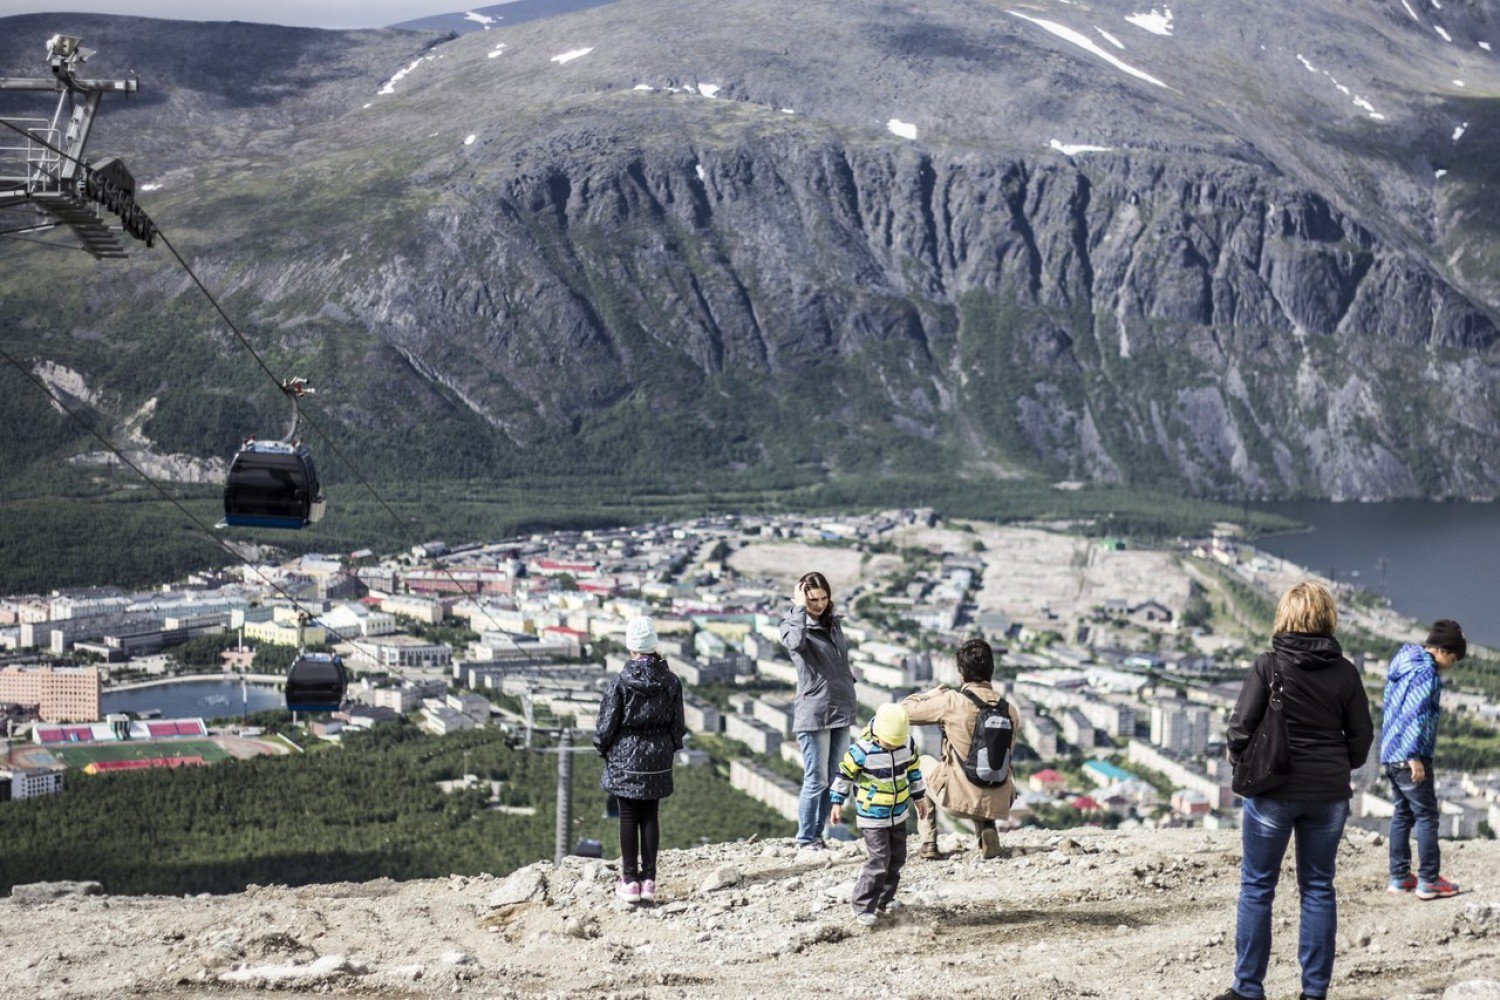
(881, 770)
(1408, 741)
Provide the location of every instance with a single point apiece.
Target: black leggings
(640, 838)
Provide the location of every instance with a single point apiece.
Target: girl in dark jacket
(1329, 731)
(640, 728)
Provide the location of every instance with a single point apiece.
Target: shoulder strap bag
(1267, 761)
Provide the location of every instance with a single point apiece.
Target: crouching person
(973, 779)
(880, 769)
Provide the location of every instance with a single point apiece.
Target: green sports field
(81, 756)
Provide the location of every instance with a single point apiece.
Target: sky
(302, 13)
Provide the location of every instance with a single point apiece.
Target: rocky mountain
(1083, 914)
(1222, 248)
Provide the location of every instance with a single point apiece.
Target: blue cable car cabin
(272, 484)
(316, 682)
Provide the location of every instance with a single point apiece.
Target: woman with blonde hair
(1329, 732)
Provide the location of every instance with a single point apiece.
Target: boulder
(1474, 989)
(721, 878)
(323, 969)
(525, 884)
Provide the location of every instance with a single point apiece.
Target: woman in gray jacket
(824, 709)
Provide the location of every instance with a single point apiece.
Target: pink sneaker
(648, 891)
(628, 891)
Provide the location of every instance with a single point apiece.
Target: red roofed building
(574, 637)
(552, 567)
(1047, 780)
(1084, 804)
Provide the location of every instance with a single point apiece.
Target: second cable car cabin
(316, 682)
(272, 484)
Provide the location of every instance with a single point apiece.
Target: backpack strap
(983, 705)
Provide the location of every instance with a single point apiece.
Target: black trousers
(882, 872)
(640, 838)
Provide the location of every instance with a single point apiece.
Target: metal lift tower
(45, 182)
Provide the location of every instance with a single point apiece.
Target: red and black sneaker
(1440, 888)
(1397, 887)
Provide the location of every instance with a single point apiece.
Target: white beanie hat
(640, 635)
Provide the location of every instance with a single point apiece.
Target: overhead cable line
(208, 531)
(401, 524)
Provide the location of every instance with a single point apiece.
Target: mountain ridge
(696, 270)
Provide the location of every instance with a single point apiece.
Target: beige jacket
(949, 787)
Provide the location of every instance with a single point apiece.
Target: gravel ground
(1081, 914)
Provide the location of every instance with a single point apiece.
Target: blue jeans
(1414, 804)
(822, 749)
(1267, 826)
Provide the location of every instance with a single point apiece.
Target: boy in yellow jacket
(881, 770)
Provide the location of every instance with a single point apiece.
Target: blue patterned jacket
(1412, 688)
(882, 781)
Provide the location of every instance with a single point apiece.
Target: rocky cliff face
(1238, 251)
(1084, 914)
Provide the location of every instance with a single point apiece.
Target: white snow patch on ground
(643, 86)
(1111, 39)
(1459, 130)
(157, 187)
(1439, 173)
(789, 111)
(499, 49)
(1437, 5)
(1485, 46)
(1458, 83)
(469, 139)
(1158, 22)
(367, 104)
(571, 54)
(479, 19)
(1413, 13)
(1359, 102)
(1072, 150)
(702, 174)
(905, 130)
(390, 85)
(708, 89)
(1446, 37)
(1087, 44)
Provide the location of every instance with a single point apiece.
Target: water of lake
(1441, 560)
(209, 699)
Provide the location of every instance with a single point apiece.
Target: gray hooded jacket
(825, 684)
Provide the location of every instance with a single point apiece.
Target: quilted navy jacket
(640, 728)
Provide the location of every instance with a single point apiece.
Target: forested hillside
(367, 809)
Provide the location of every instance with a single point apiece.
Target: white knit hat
(640, 635)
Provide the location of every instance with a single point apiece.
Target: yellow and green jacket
(883, 781)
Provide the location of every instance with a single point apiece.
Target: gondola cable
(280, 383)
(206, 529)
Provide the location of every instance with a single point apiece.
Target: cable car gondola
(316, 683)
(273, 484)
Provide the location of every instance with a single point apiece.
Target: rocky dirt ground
(1081, 914)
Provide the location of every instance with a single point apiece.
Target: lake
(209, 699)
(1441, 560)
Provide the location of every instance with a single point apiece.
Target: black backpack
(988, 762)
